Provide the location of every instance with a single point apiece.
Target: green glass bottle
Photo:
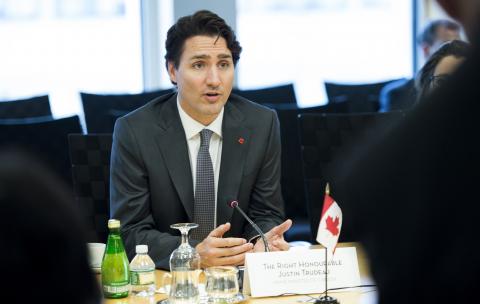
(115, 265)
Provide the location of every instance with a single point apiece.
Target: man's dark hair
(203, 23)
(429, 34)
(456, 48)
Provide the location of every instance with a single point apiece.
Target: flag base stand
(326, 300)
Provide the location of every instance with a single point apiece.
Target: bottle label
(142, 277)
(116, 287)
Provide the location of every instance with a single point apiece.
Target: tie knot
(205, 135)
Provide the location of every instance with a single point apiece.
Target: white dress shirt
(192, 133)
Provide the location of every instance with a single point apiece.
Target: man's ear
(426, 51)
(452, 7)
(172, 72)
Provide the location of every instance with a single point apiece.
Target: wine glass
(184, 268)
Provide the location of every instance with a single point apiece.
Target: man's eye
(198, 65)
(224, 65)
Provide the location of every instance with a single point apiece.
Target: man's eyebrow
(203, 56)
(224, 56)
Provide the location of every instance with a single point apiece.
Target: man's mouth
(212, 94)
(212, 97)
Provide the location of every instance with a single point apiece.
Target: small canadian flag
(330, 223)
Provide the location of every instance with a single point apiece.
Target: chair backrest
(45, 138)
(365, 94)
(275, 94)
(38, 106)
(101, 111)
(291, 177)
(90, 160)
(328, 138)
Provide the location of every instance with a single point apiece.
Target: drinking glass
(185, 269)
(222, 283)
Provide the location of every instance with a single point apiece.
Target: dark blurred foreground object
(101, 111)
(44, 254)
(43, 137)
(90, 160)
(272, 95)
(414, 190)
(38, 106)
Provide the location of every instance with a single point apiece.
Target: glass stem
(184, 237)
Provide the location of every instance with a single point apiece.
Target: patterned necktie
(204, 209)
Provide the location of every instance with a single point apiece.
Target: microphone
(234, 204)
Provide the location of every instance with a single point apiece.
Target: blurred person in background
(440, 66)
(436, 33)
(44, 253)
(402, 94)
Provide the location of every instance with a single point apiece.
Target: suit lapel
(174, 148)
(234, 146)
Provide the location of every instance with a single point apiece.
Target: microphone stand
(234, 204)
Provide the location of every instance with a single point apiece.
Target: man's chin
(213, 109)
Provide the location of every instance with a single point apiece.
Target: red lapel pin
(241, 140)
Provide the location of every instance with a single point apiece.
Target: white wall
(224, 8)
(431, 10)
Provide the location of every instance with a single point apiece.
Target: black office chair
(101, 111)
(357, 97)
(270, 95)
(38, 106)
(90, 161)
(326, 140)
(292, 177)
(43, 137)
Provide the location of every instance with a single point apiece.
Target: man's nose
(213, 77)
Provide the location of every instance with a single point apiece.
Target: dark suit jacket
(415, 196)
(151, 181)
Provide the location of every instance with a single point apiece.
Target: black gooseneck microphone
(234, 204)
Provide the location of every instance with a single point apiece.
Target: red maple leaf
(332, 225)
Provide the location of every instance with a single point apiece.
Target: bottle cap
(141, 248)
(113, 223)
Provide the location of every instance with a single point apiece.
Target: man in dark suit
(158, 180)
(414, 192)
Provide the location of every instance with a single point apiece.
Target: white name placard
(299, 271)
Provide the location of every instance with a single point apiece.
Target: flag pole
(326, 299)
(326, 272)
(327, 192)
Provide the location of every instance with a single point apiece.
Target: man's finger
(233, 260)
(230, 251)
(227, 242)
(220, 230)
(280, 229)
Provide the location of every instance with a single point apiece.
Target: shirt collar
(193, 127)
